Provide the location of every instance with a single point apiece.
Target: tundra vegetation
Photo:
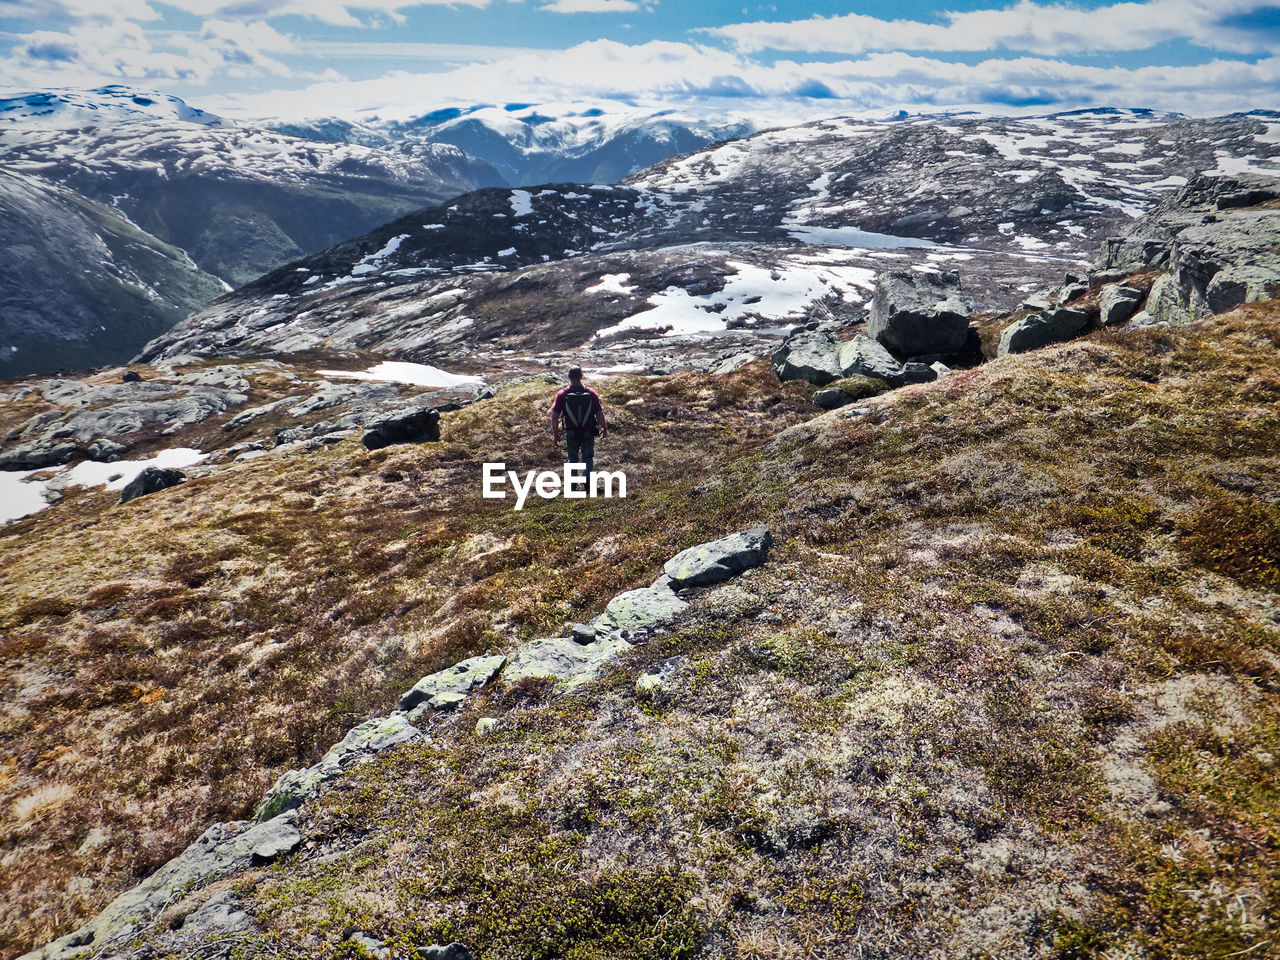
(1006, 687)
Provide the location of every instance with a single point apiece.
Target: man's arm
(604, 424)
(555, 419)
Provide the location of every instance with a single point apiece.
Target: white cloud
(593, 6)
(1055, 29)
(715, 80)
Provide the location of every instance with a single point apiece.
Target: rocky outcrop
(848, 390)
(1217, 244)
(919, 313)
(151, 480)
(821, 359)
(713, 562)
(223, 849)
(368, 739)
(564, 661)
(447, 688)
(408, 426)
(1042, 329)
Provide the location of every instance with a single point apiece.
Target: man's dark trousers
(580, 447)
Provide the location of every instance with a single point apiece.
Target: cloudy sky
(800, 57)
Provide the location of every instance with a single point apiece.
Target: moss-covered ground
(1006, 688)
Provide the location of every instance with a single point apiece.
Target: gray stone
(718, 560)
(106, 451)
(918, 373)
(641, 609)
(940, 368)
(222, 850)
(830, 399)
(568, 663)
(1174, 302)
(807, 356)
(659, 677)
(222, 915)
(454, 951)
(1042, 329)
(450, 686)
(486, 726)
(375, 948)
(1117, 303)
(1072, 291)
(420, 425)
(864, 357)
(368, 739)
(1236, 286)
(37, 455)
(149, 481)
(916, 313)
(730, 364)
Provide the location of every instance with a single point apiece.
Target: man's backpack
(579, 410)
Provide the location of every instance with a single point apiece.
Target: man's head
(575, 375)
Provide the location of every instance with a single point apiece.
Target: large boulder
(919, 313)
(809, 355)
(713, 562)
(1234, 286)
(864, 357)
(407, 426)
(1041, 329)
(451, 686)
(151, 480)
(1117, 303)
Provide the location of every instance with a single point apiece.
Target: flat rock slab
(450, 686)
(222, 850)
(569, 663)
(714, 562)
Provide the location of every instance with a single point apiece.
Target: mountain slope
(80, 284)
(797, 221)
(1005, 685)
(241, 200)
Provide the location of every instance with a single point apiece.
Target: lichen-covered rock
(1117, 303)
(919, 313)
(222, 850)
(450, 686)
(1042, 329)
(568, 663)
(149, 481)
(371, 737)
(713, 562)
(643, 608)
(809, 355)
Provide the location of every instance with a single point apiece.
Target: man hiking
(580, 409)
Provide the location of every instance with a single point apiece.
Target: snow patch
(21, 497)
(415, 374)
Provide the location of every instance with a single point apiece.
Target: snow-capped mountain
(238, 198)
(679, 250)
(578, 142)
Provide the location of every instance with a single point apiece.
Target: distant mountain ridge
(574, 142)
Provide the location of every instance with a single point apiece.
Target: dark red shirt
(557, 406)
